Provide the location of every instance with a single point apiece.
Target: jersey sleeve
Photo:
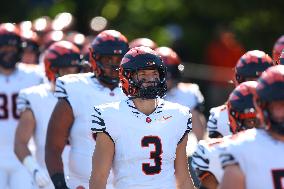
(60, 88)
(236, 148)
(206, 159)
(199, 97)
(98, 123)
(189, 122)
(229, 156)
(212, 124)
(188, 126)
(23, 101)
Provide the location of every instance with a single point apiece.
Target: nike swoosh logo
(165, 118)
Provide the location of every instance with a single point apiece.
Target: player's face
(8, 48)
(251, 123)
(8, 51)
(110, 65)
(68, 70)
(276, 110)
(148, 77)
(29, 57)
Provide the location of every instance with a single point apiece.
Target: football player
(255, 158)
(31, 49)
(248, 68)
(77, 93)
(144, 137)
(36, 104)
(187, 94)
(14, 76)
(242, 116)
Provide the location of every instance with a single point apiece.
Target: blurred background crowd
(209, 36)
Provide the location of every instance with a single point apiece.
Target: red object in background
(224, 51)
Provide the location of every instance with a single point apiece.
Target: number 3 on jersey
(155, 155)
(278, 178)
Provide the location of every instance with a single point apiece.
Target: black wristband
(58, 181)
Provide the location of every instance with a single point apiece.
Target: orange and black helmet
(251, 65)
(142, 58)
(59, 55)
(270, 88)
(241, 105)
(107, 43)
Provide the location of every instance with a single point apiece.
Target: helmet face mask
(10, 45)
(241, 107)
(105, 54)
(240, 121)
(8, 56)
(109, 66)
(143, 60)
(147, 82)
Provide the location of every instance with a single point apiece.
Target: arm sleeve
(206, 159)
(200, 161)
(228, 156)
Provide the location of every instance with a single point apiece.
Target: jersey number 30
(155, 155)
(4, 113)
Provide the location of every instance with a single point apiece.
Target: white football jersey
(218, 122)
(260, 158)
(83, 91)
(24, 76)
(145, 146)
(186, 94)
(206, 157)
(41, 101)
